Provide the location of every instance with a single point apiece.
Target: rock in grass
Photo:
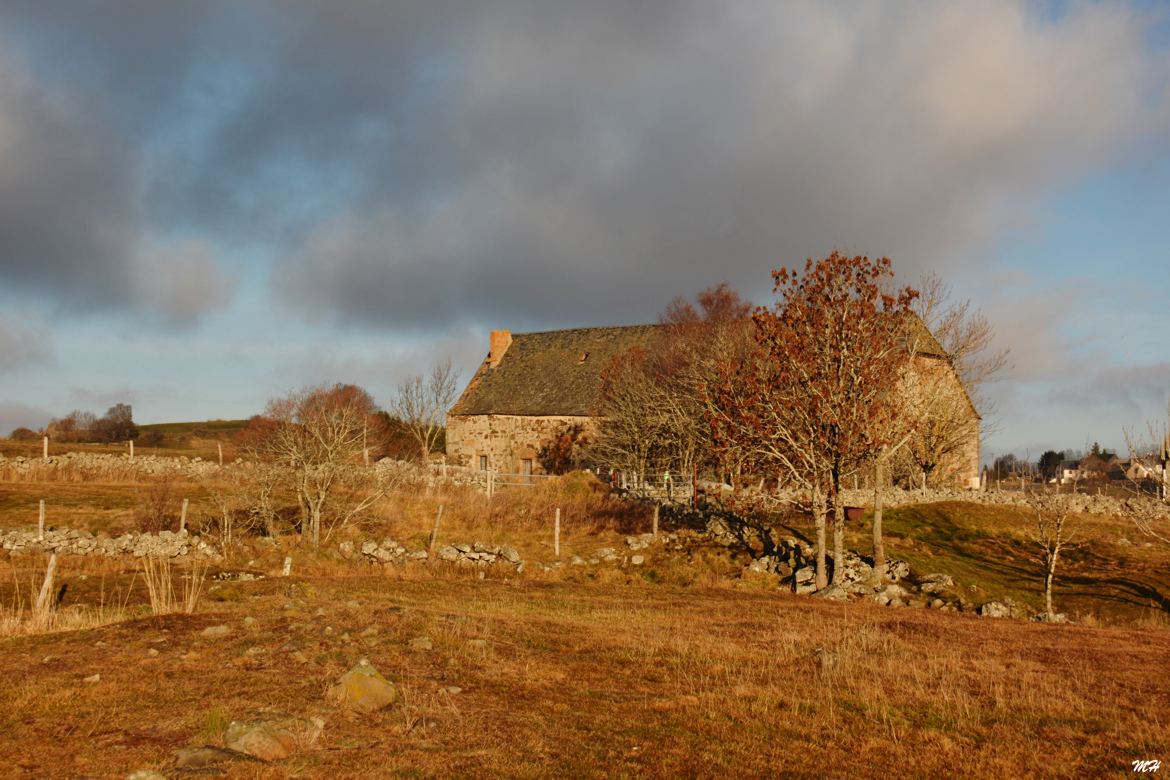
(206, 756)
(146, 774)
(93, 678)
(995, 609)
(257, 739)
(215, 632)
(363, 688)
(421, 644)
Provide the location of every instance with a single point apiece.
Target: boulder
(833, 593)
(805, 580)
(262, 740)
(363, 688)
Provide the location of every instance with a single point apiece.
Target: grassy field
(186, 439)
(596, 677)
(682, 666)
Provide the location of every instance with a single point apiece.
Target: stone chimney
(500, 341)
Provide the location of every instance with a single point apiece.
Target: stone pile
(390, 551)
(64, 541)
(794, 563)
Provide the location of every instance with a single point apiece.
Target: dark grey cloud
(529, 162)
(70, 224)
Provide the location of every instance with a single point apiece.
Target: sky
(205, 205)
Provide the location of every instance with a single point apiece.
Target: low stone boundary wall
(167, 544)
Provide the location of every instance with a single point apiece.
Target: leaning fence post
(557, 534)
(183, 516)
(435, 531)
(43, 600)
(219, 448)
(41, 523)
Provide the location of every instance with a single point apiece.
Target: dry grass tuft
(159, 578)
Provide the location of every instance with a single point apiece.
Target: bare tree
(1052, 533)
(1149, 477)
(317, 435)
(631, 428)
(422, 404)
(967, 337)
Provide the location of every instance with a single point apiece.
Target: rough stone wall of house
(507, 440)
(961, 469)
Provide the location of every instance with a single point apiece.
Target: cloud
(70, 212)
(23, 344)
(532, 164)
(588, 166)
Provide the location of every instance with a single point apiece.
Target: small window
(483, 463)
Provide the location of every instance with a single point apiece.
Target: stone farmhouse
(531, 384)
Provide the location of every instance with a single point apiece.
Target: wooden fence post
(287, 566)
(41, 523)
(131, 449)
(183, 517)
(491, 483)
(44, 600)
(655, 531)
(435, 531)
(557, 534)
(45, 448)
(219, 448)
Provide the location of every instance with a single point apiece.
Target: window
(483, 463)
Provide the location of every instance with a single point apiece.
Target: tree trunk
(822, 580)
(1049, 576)
(838, 536)
(879, 547)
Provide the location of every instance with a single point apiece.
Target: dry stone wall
(64, 541)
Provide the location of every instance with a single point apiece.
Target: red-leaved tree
(821, 393)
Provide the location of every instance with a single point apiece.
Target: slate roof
(542, 373)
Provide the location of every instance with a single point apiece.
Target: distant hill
(213, 429)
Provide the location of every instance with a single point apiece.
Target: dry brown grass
(23, 613)
(595, 679)
(159, 578)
